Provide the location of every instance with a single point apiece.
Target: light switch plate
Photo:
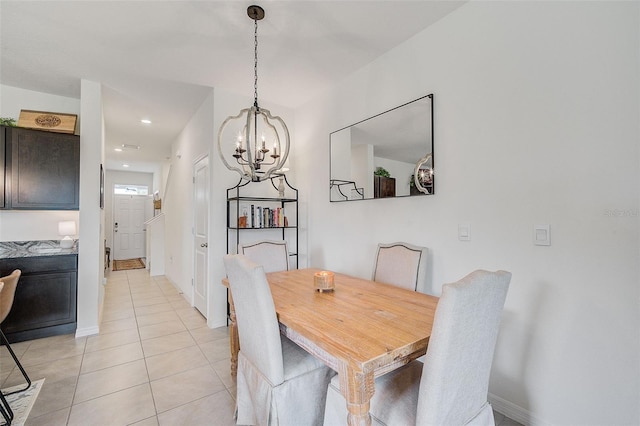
(464, 232)
(541, 235)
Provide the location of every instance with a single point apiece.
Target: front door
(128, 226)
(201, 234)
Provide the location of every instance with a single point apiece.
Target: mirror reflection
(378, 157)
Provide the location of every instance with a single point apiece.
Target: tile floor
(155, 362)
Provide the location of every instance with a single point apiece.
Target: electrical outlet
(542, 235)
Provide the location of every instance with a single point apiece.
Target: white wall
(362, 168)
(199, 138)
(14, 99)
(113, 177)
(177, 205)
(27, 225)
(91, 248)
(33, 225)
(536, 122)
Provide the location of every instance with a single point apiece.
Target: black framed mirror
(380, 157)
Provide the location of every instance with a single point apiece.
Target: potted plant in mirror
(381, 171)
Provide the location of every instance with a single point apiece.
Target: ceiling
(159, 59)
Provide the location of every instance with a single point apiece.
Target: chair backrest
(258, 328)
(8, 292)
(455, 376)
(401, 264)
(272, 255)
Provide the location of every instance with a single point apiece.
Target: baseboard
(176, 286)
(216, 324)
(515, 412)
(88, 331)
(211, 324)
(39, 333)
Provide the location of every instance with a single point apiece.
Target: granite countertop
(12, 249)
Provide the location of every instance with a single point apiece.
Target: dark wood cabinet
(42, 170)
(2, 168)
(46, 297)
(384, 187)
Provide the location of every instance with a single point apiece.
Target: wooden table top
(364, 324)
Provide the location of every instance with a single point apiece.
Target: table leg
(234, 341)
(358, 390)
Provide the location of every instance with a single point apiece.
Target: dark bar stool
(6, 302)
(5, 409)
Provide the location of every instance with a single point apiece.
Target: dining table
(362, 329)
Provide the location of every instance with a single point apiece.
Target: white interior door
(128, 226)
(201, 235)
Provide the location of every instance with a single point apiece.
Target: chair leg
(5, 410)
(15, 359)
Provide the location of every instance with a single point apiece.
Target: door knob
(204, 245)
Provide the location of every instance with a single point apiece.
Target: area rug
(123, 265)
(22, 402)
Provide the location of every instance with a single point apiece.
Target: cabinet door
(2, 167)
(42, 300)
(384, 187)
(45, 170)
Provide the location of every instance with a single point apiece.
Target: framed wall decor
(49, 121)
(101, 187)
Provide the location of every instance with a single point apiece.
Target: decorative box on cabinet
(46, 297)
(41, 170)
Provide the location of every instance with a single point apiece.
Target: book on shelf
(263, 217)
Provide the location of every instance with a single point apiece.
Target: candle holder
(323, 281)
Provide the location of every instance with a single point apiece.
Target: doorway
(129, 215)
(201, 234)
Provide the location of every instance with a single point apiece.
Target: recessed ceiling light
(145, 121)
(118, 149)
(125, 165)
(130, 146)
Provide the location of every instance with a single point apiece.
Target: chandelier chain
(255, 63)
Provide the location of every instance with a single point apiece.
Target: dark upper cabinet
(42, 170)
(2, 168)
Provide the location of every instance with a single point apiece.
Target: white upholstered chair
(451, 387)
(272, 255)
(401, 264)
(278, 383)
